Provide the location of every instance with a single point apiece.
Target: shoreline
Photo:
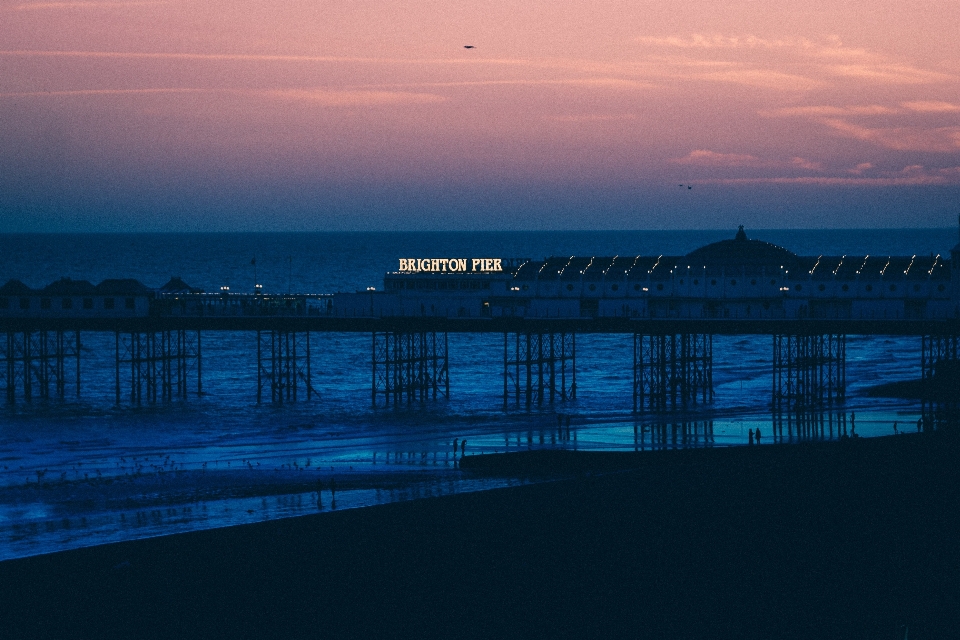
(55, 505)
(853, 538)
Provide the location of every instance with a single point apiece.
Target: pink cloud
(705, 158)
(333, 98)
(831, 111)
(101, 92)
(323, 97)
(889, 73)
(37, 6)
(598, 82)
(766, 78)
(719, 41)
(802, 163)
(593, 118)
(820, 60)
(935, 140)
(931, 106)
(909, 175)
(838, 181)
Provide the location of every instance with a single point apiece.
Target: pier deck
(610, 325)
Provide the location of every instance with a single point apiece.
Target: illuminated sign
(450, 265)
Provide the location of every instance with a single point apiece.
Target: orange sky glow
(360, 114)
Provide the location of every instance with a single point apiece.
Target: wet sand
(849, 539)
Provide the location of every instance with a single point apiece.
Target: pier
(669, 307)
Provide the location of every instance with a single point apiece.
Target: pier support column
(808, 371)
(940, 375)
(283, 363)
(539, 367)
(36, 361)
(409, 365)
(671, 370)
(938, 357)
(159, 363)
(9, 362)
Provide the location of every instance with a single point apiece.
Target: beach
(846, 539)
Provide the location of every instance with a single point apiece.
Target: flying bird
(468, 46)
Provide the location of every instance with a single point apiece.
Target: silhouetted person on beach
(463, 448)
(758, 435)
(750, 434)
(455, 446)
(919, 424)
(894, 427)
(333, 488)
(853, 422)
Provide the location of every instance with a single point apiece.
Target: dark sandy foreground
(856, 539)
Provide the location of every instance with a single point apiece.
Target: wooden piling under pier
(672, 360)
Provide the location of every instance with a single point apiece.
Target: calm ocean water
(85, 471)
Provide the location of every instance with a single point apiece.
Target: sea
(85, 470)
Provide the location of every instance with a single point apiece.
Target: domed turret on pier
(753, 255)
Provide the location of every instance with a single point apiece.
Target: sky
(259, 115)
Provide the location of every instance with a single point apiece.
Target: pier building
(671, 305)
(740, 278)
(66, 298)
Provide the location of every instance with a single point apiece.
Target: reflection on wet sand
(803, 426)
(672, 435)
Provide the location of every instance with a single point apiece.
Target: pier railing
(372, 311)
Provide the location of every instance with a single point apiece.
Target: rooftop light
(910, 265)
(839, 265)
(611, 264)
(816, 265)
